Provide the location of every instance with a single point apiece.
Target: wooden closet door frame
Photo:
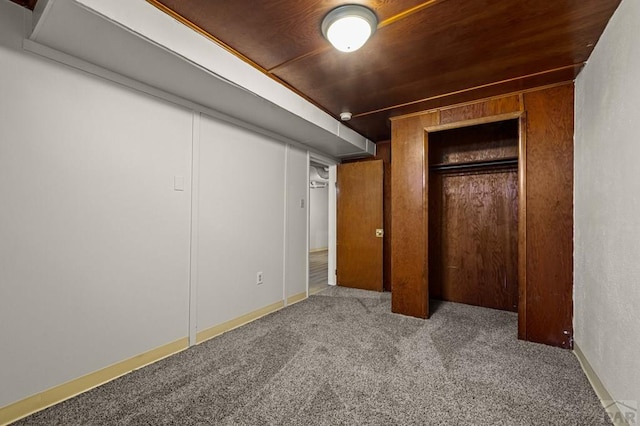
(522, 200)
(546, 182)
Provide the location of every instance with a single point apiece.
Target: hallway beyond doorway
(318, 271)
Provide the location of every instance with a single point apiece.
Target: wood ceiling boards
(425, 54)
(29, 4)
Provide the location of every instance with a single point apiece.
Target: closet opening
(473, 215)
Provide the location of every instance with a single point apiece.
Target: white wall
(607, 206)
(240, 221)
(95, 248)
(319, 218)
(94, 241)
(297, 217)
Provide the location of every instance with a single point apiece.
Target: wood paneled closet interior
(473, 215)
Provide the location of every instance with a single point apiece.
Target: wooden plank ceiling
(29, 4)
(425, 54)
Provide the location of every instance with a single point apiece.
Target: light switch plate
(178, 183)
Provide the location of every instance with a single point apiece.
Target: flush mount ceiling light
(349, 27)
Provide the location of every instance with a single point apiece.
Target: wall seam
(194, 228)
(285, 245)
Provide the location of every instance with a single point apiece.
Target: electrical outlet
(259, 278)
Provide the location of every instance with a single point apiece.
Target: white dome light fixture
(349, 27)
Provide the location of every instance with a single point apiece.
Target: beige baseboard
(217, 330)
(605, 397)
(318, 249)
(57, 394)
(296, 298)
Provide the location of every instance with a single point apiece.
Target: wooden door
(360, 225)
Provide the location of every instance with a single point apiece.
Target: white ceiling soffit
(136, 40)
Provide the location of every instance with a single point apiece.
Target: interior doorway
(319, 180)
(473, 215)
(360, 225)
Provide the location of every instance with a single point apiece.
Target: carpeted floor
(341, 357)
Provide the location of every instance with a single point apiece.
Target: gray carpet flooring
(341, 357)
